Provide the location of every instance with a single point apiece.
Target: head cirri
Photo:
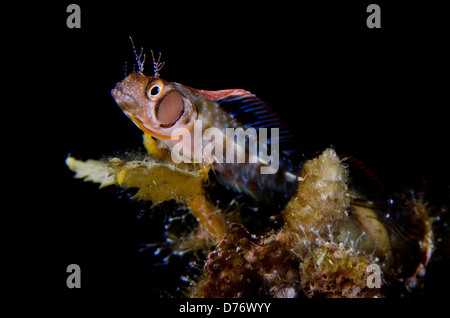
(156, 106)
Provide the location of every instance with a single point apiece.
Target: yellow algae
(156, 182)
(155, 148)
(92, 170)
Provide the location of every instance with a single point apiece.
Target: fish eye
(154, 90)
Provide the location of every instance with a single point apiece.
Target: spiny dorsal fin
(248, 109)
(251, 111)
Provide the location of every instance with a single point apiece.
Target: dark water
(378, 95)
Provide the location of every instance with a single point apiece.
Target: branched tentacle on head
(157, 65)
(139, 62)
(140, 59)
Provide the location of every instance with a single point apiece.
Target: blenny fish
(161, 109)
(332, 231)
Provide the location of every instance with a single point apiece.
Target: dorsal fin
(248, 109)
(251, 111)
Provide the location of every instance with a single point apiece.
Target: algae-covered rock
(328, 243)
(320, 203)
(245, 265)
(302, 256)
(337, 272)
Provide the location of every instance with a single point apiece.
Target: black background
(377, 94)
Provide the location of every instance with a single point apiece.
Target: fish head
(156, 106)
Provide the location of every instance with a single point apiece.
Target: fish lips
(125, 101)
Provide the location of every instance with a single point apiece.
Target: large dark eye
(170, 109)
(154, 90)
